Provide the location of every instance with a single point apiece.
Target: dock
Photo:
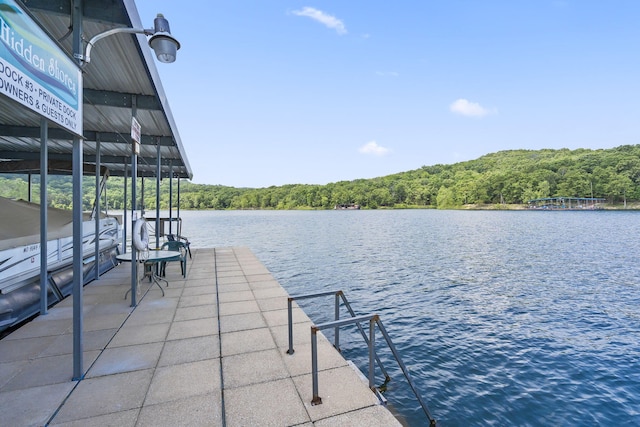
(211, 352)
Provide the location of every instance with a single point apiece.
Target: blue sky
(302, 92)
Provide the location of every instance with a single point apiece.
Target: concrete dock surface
(211, 352)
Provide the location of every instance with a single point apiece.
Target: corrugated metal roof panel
(122, 66)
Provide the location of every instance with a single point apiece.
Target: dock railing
(373, 320)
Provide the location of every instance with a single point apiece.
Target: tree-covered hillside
(506, 177)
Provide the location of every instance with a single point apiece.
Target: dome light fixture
(162, 42)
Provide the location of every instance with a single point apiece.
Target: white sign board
(135, 135)
(36, 72)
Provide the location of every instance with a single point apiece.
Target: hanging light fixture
(162, 42)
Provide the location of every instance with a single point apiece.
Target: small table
(151, 257)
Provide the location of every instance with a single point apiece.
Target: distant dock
(212, 352)
(567, 203)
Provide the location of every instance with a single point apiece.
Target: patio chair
(178, 247)
(177, 237)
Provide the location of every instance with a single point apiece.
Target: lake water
(502, 317)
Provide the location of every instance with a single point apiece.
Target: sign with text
(135, 135)
(36, 72)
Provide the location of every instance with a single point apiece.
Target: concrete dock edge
(212, 352)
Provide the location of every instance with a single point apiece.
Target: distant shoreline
(470, 207)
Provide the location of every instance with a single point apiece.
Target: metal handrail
(373, 319)
(338, 296)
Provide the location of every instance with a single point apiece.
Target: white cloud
(471, 109)
(323, 18)
(372, 147)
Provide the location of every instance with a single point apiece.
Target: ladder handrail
(373, 319)
(338, 295)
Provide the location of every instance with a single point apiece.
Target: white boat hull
(20, 269)
(21, 264)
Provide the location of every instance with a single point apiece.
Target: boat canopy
(27, 230)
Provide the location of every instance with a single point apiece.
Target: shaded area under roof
(122, 76)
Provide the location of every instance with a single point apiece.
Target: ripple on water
(503, 318)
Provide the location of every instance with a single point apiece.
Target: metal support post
(314, 348)
(124, 209)
(134, 252)
(97, 210)
(171, 198)
(372, 351)
(179, 223)
(78, 273)
(290, 317)
(134, 179)
(336, 334)
(364, 335)
(158, 181)
(314, 366)
(44, 172)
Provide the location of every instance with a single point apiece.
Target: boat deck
(212, 352)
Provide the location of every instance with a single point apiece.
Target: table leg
(156, 279)
(153, 277)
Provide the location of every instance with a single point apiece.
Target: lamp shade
(165, 46)
(162, 42)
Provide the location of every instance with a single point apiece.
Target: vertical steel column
(158, 180)
(106, 201)
(29, 190)
(124, 209)
(134, 253)
(134, 179)
(171, 198)
(179, 224)
(44, 171)
(78, 274)
(97, 218)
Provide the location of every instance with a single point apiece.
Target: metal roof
(121, 76)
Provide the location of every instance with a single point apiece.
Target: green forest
(496, 180)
